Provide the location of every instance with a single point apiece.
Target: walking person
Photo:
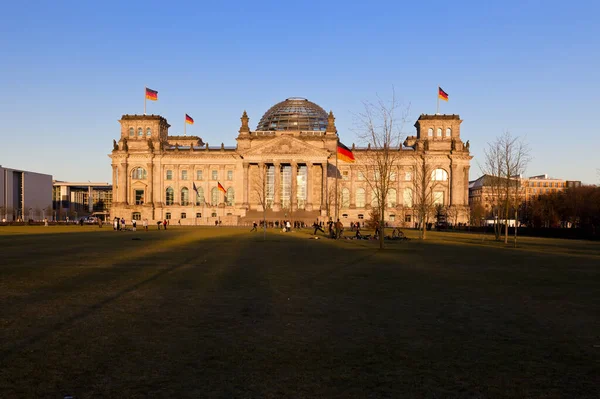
(145, 224)
(254, 225)
(134, 225)
(317, 226)
(165, 224)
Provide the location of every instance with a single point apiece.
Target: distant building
(481, 190)
(24, 195)
(76, 199)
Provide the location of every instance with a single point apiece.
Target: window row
(140, 132)
(439, 132)
(360, 198)
(214, 175)
(216, 197)
(436, 175)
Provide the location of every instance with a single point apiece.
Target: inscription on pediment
(285, 146)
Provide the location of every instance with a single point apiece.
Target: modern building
(157, 176)
(24, 195)
(76, 199)
(481, 190)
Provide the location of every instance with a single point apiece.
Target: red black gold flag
(151, 94)
(189, 119)
(344, 153)
(442, 94)
(222, 188)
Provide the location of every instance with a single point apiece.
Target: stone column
(309, 185)
(294, 191)
(324, 186)
(246, 166)
(277, 187)
(262, 173)
(465, 186)
(352, 196)
(123, 184)
(149, 200)
(455, 185)
(115, 184)
(176, 193)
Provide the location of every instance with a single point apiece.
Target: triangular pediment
(284, 147)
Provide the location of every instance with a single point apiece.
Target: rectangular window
(408, 198)
(169, 175)
(407, 176)
(361, 216)
(407, 218)
(345, 175)
(215, 175)
(136, 216)
(168, 215)
(139, 197)
(183, 215)
(198, 215)
(438, 197)
(230, 175)
(361, 176)
(184, 175)
(392, 218)
(199, 175)
(392, 176)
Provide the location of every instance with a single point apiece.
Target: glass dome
(295, 113)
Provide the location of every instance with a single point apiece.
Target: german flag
(442, 94)
(151, 95)
(189, 119)
(344, 153)
(222, 188)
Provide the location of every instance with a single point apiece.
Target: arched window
(448, 132)
(200, 196)
(148, 132)
(345, 198)
(230, 196)
(138, 173)
(391, 198)
(360, 198)
(131, 132)
(169, 175)
(439, 175)
(439, 132)
(140, 132)
(170, 196)
(185, 196)
(214, 196)
(430, 132)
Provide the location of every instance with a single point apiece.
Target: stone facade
(155, 176)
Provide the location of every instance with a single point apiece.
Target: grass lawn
(220, 313)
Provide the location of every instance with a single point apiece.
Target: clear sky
(68, 71)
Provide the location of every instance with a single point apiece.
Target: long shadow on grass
(126, 267)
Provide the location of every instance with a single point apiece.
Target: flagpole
(184, 123)
(145, 88)
(438, 102)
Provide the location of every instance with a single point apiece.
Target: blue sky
(69, 70)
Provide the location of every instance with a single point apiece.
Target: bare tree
(506, 159)
(423, 194)
(380, 126)
(260, 191)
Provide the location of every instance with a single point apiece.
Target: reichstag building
(157, 176)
